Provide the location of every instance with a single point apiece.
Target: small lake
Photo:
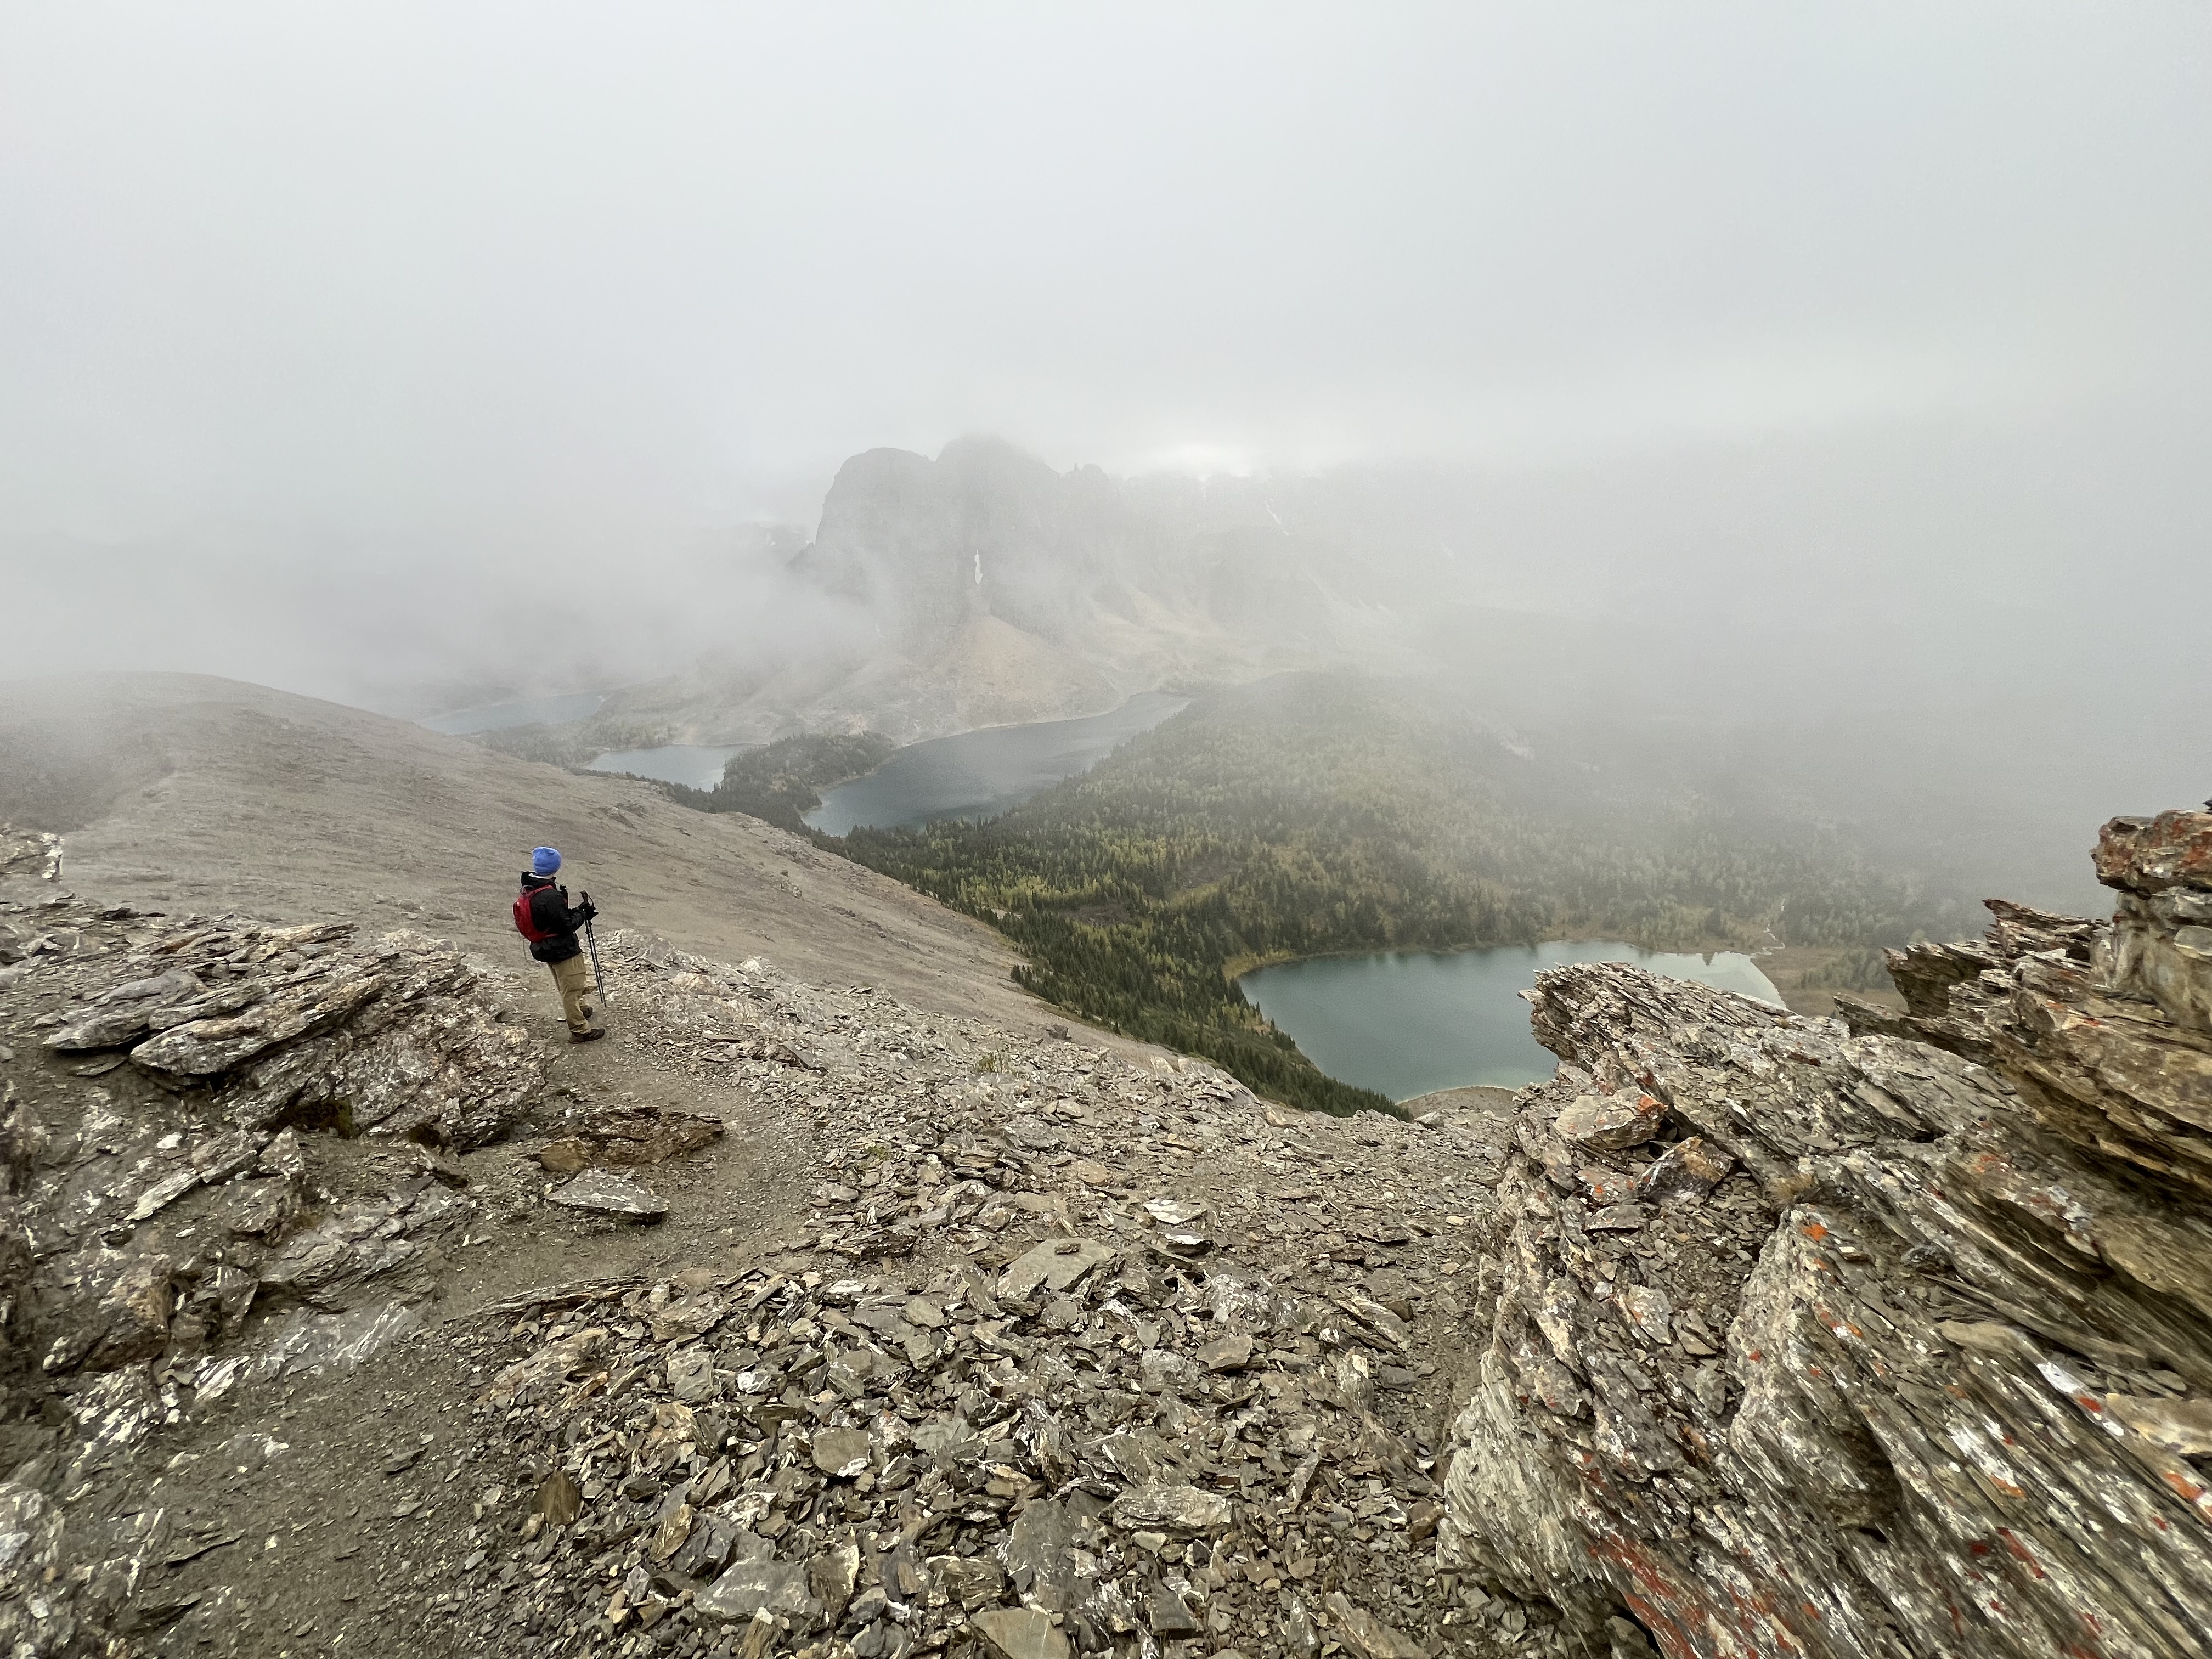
(532, 711)
(979, 775)
(699, 764)
(1408, 1022)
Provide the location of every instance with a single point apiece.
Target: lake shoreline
(985, 771)
(1238, 966)
(1786, 966)
(1407, 1023)
(1485, 1098)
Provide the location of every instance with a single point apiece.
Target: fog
(416, 355)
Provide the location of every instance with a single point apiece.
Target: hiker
(543, 915)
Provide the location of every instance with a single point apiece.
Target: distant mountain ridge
(983, 587)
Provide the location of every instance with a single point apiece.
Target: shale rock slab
(1914, 1358)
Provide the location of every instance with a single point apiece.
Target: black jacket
(549, 908)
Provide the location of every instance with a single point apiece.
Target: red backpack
(525, 921)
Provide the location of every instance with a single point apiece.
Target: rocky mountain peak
(988, 588)
(983, 529)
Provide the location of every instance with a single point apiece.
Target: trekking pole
(592, 943)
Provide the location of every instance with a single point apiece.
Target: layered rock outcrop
(1890, 1338)
(163, 1191)
(401, 1036)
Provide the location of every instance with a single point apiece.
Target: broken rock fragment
(691, 1375)
(1022, 1633)
(2179, 1425)
(1182, 1225)
(627, 1139)
(842, 1452)
(1172, 1509)
(1367, 1636)
(1689, 1169)
(1174, 1212)
(1228, 1353)
(1171, 1617)
(1649, 1311)
(1057, 1264)
(559, 1499)
(598, 1192)
(1038, 1555)
(756, 1582)
(831, 1575)
(129, 1322)
(1184, 1240)
(1608, 1123)
(965, 1581)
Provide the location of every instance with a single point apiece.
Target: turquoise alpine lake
(979, 774)
(1409, 1023)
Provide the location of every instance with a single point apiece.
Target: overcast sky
(477, 278)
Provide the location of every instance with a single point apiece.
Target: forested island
(781, 780)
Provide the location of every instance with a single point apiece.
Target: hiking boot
(586, 1037)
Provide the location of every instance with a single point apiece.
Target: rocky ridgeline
(1070, 1355)
(1806, 1341)
(1746, 1333)
(1049, 1351)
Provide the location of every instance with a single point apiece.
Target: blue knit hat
(545, 860)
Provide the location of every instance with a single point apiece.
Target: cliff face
(983, 529)
(1894, 1339)
(995, 590)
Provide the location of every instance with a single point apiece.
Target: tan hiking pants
(579, 993)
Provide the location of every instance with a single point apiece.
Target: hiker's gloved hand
(587, 910)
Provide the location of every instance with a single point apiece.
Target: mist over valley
(1223, 832)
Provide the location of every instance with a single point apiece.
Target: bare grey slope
(187, 793)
